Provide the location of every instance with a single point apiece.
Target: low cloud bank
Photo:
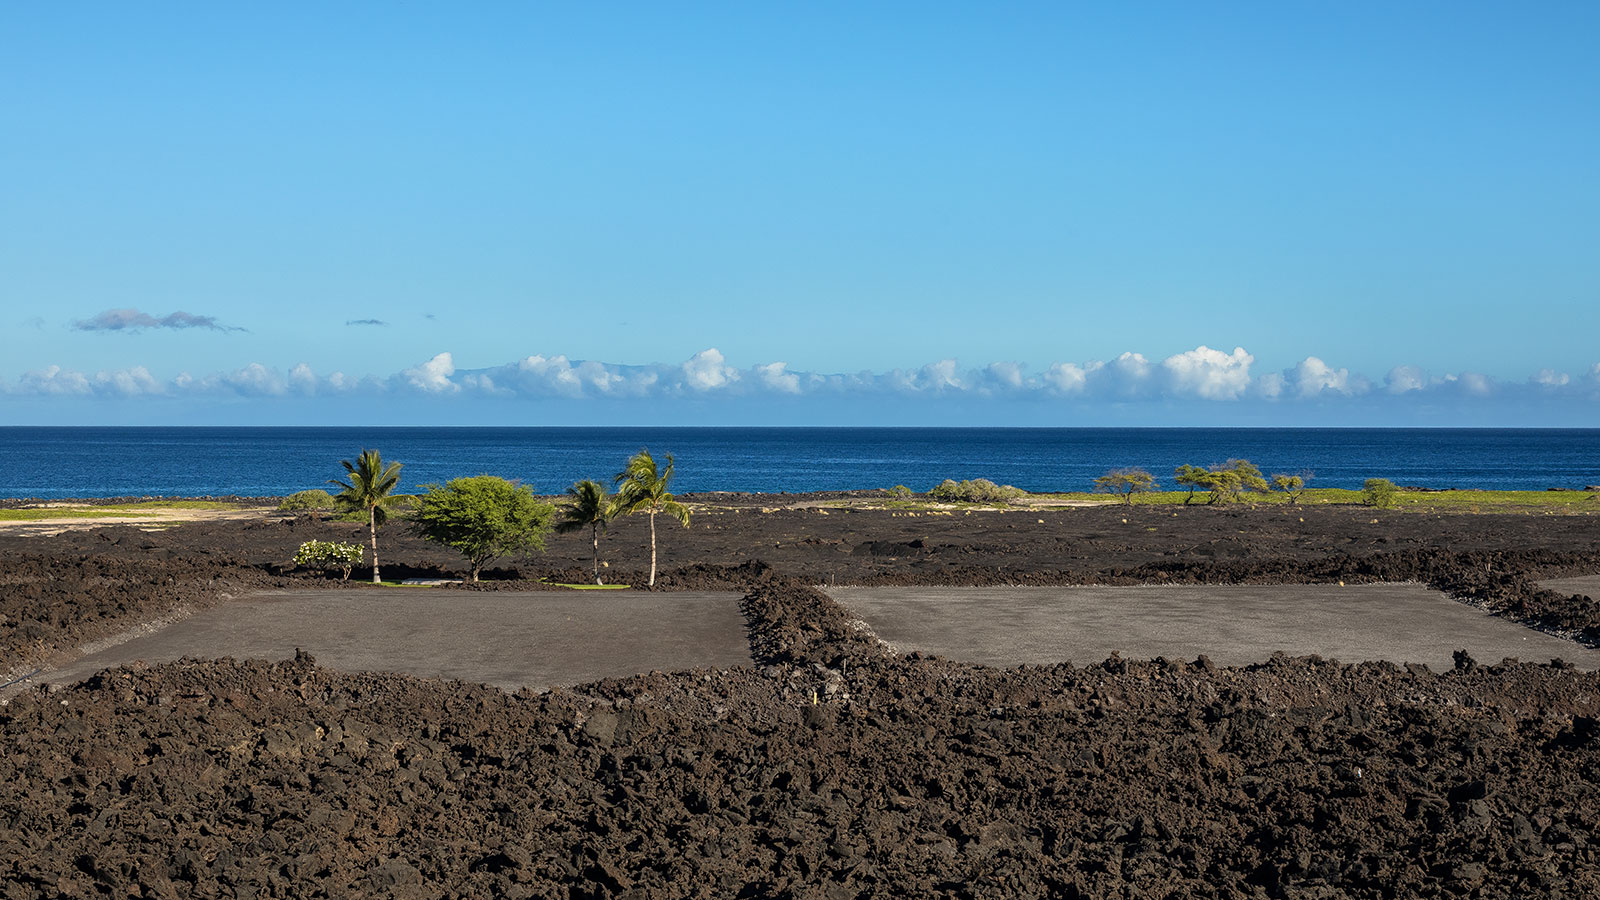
(1202, 376)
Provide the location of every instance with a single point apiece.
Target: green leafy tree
(642, 487)
(1227, 481)
(588, 506)
(1125, 482)
(1292, 485)
(368, 488)
(1378, 492)
(1192, 477)
(483, 518)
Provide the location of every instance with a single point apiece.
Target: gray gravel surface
(1233, 625)
(511, 640)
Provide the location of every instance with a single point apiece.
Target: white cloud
(1002, 377)
(54, 380)
(777, 377)
(1066, 378)
(1200, 375)
(302, 380)
(1404, 379)
(1209, 374)
(1130, 367)
(940, 376)
(254, 380)
(130, 382)
(433, 376)
(554, 374)
(1313, 377)
(707, 371)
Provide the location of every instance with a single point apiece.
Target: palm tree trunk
(372, 525)
(652, 549)
(596, 530)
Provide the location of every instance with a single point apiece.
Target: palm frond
(676, 510)
(588, 505)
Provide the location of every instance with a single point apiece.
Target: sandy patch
(147, 518)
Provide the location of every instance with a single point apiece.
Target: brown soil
(835, 769)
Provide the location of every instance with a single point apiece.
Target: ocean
(61, 462)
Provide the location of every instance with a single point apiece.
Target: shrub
(304, 501)
(328, 556)
(978, 490)
(900, 492)
(1378, 492)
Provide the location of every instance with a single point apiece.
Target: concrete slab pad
(1233, 625)
(512, 640)
(1588, 585)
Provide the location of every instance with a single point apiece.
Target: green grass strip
(66, 512)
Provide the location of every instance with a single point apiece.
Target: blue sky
(1361, 213)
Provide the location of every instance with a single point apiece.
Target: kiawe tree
(1233, 478)
(371, 482)
(1126, 482)
(588, 507)
(1191, 477)
(1292, 485)
(484, 518)
(642, 487)
(1225, 482)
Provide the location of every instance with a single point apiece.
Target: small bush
(303, 501)
(1378, 492)
(900, 492)
(979, 490)
(328, 556)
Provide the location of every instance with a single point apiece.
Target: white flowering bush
(329, 555)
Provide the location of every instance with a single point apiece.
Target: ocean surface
(52, 462)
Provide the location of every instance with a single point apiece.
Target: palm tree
(590, 508)
(368, 488)
(644, 489)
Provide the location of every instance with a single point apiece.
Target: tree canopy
(1292, 485)
(1125, 482)
(1191, 477)
(1232, 478)
(1225, 481)
(483, 518)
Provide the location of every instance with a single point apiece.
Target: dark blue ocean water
(107, 462)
